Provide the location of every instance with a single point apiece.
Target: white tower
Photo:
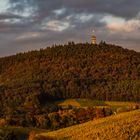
(93, 39)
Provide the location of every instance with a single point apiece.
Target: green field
(90, 103)
(96, 103)
(124, 126)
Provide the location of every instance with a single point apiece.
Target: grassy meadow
(82, 103)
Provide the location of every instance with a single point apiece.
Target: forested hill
(103, 71)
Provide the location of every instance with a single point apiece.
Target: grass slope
(72, 102)
(115, 105)
(124, 126)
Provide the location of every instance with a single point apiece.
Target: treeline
(29, 81)
(61, 117)
(56, 120)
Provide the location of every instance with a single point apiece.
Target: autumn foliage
(31, 82)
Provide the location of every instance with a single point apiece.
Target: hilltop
(122, 126)
(101, 72)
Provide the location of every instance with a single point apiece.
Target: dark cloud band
(32, 22)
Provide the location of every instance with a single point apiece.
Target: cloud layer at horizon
(34, 24)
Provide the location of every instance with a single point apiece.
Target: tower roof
(93, 38)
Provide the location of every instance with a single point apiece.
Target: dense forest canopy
(103, 72)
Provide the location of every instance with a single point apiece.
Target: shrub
(3, 122)
(32, 135)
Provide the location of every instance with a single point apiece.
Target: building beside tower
(93, 39)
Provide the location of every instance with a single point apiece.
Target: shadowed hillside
(30, 80)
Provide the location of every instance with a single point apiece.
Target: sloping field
(124, 106)
(124, 126)
(72, 102)
(113, 103)
(90, 102)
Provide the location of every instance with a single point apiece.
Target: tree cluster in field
(30, 81)
(55, 120)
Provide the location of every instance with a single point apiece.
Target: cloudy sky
(34, 24)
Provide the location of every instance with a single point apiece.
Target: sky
(33, 24)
